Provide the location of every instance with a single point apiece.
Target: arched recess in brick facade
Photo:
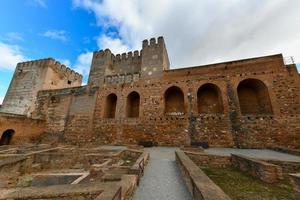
(6, 137)
(174, 101)
(254, 97)
(110, 106)
(209, 99)
(133, 105)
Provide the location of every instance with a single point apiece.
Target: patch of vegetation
(241, 186)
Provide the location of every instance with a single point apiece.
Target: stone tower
(150, 62)
(33, 76)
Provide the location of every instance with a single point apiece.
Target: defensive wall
(134, 97)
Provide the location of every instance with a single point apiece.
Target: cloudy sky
(196, 32)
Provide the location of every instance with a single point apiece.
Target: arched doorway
(110, 106)
(174, 101)
(209, 99)
(133, 105)
(254, 97)
(6, 137)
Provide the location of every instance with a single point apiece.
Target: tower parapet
(154, 58)
(150, 62)
(32, 76)
(64, 70)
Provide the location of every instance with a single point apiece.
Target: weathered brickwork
(265, 171)
(203, 159)
(33, 76)
(295, 179)
(19, 129)
(135, 97)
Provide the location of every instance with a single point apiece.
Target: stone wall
(287, 166)
(151, 61)
(295, 178)
(199, 184)
(33, 76)
(276, 122)
(20, 129)
(264, 171)
(218, 129)
(68, 113)
(202, 159)
(210, 103)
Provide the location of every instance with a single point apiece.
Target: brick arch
(174, 101)
(7, 137)
(209, 99)
(110, 106)
(133, 105)
(254, 97)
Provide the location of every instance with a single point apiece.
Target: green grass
(241, 186)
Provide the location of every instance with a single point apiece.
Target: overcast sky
(196, 31)
(200, 32)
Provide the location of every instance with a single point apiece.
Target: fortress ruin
(135, 97)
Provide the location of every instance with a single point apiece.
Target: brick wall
(80, 112)
(23, 129)
(31, 77)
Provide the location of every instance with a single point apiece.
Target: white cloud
(206, 31)
(114, 44)
(65, 62)
(1, 99)
(10, 56)
(83, 63)
(56, 35)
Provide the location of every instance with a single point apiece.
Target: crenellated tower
(155, 58)
(150, 62)
(33, 76)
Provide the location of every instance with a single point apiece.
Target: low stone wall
(295, 152)
(128, 184)
(15, 165)
(295, 179)
(103, 191)
(266, 172)
(206, 159)
(131, 152)
(287, 166)
(139, 165)
(199, 184)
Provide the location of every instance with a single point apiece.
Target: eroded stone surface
(64, 172)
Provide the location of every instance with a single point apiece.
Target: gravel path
(162, 179)
(254, 153)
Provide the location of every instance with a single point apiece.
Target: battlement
(39, 62)
(102, 53)
(118, 57)
(56, 65)
(126, 56)
(149, 62)
(153, 42)
(33, 76)
(64, 69)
